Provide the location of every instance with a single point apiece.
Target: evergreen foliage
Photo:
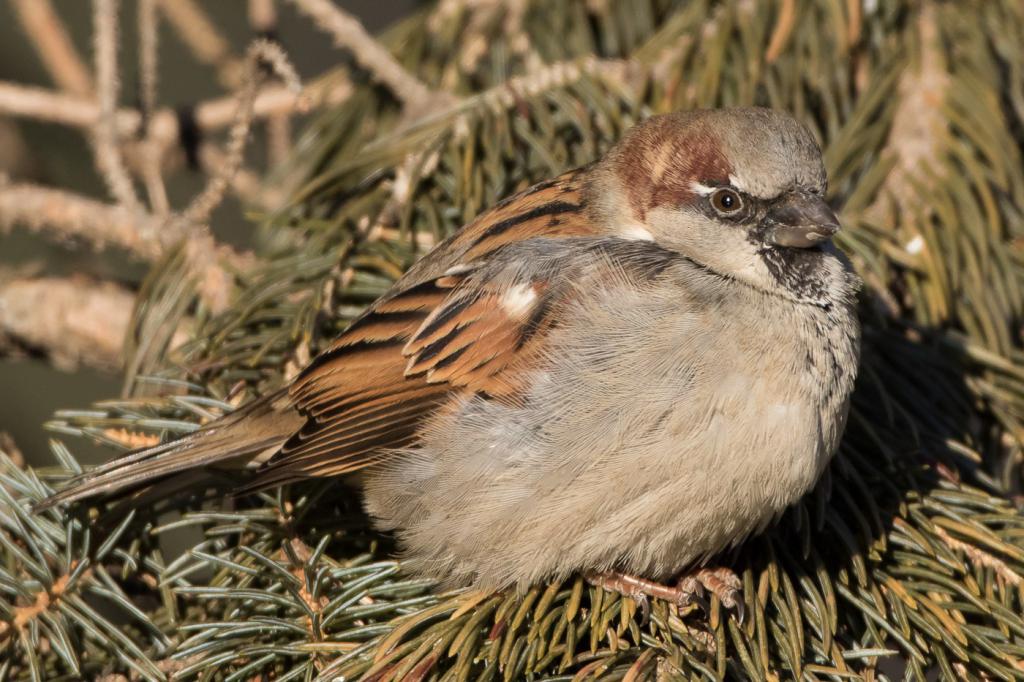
(906, 560)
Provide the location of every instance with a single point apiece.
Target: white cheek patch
(637, 232)
(518, 300)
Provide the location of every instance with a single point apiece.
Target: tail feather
(261, 426)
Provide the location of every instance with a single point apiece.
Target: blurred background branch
(154, 147)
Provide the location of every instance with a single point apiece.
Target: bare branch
(918, 126)
(279, 139)
(65, 216)
(246, 184)
(16, 159)
(260, 51)
(262, 16)
(11, 449)
(52, 42)
(149, 43)
(108, 155)
(349, 33)
(72, 321)
(204, 40)
(48, 106)
(45, 105)
(151, 151)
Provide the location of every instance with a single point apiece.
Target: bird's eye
(727, 201)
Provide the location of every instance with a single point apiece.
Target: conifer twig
(150, 152)
(71, 321)
(917, 127)
(369, 53)
(48, 106)
(109, 160)
(980, 557)
(53, 44)
(261, 51)
(62, 215)
(205, 41)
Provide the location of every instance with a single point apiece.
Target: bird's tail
(249, 434)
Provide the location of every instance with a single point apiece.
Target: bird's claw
(722, 583)
(690, 591)
(643, 602)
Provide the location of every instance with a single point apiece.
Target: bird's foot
(719, 581)
(690, 589)
(640, 589)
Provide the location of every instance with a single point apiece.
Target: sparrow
(622, 371)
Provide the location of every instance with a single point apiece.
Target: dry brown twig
(261, 51)
(109, 160)
(73, 321)
(149, 133)
(64, 216)
(150, 152)
(210, 116)
(53, 44)
(370, 54)
(206, 43)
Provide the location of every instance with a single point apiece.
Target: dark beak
(800, 220)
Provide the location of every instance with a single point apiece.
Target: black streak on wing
(553, 208)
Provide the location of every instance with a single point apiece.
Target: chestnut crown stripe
(661, 167)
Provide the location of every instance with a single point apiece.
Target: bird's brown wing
(442, 330)
(434, 334)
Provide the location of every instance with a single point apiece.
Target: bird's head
(740, 191)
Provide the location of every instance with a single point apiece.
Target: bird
(622, 372)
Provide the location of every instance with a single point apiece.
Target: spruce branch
(918, 129)
(371, 55)
(906, 558)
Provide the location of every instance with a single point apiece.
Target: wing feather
(445, 329)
